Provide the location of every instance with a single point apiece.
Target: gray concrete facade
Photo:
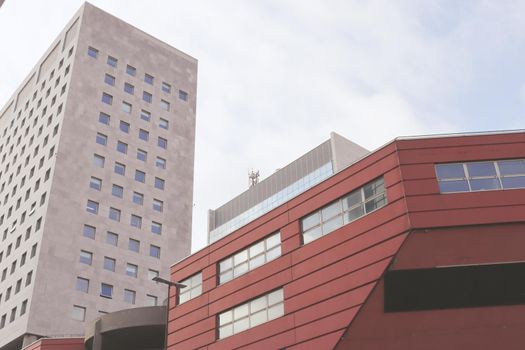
(53, 141)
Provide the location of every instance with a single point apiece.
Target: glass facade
(351, 207)
(481, 176)
(250, 258)
(272, 202)
(253, 313)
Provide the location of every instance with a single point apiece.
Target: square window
(122, 147)
(129, 296)
(135, 221)
(114, 214)
(107, 98)
(126, 107)
(106, 290)
(160, 163)
(146, 96)
(159, 183)
(142, 155)
(86, 257)
(183, 95)
(112, 238)
(98, 161)
(158, 205)
(143, 135)
(138, 198)
(154, 251)
(95, 183)
(92, 207)
(92, 52)
(134, 245)
(79, 313)
(145, 115)
(164, 124)
(109, 264)
(120, 168)
(156, 228)
(124, 127)
(89, 231)
(112, 61)
(132, 270)
(130, 89)
(148, 79)
(109, 79)
(162, 142)
(165, 105)
(131, 70)
(82, 285)
(140, 176)
(103, 118)
(166, 87)
(117, 191)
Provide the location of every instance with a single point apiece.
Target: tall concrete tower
(96, 178)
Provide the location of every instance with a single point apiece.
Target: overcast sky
(275, 77)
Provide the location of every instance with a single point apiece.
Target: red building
(418, 245)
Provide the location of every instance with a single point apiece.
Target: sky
(277, 76)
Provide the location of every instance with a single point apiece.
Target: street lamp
(177, 285)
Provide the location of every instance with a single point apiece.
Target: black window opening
(455, 287)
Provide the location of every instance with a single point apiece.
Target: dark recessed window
(112, 61)
(148, 79)
(131, 70)
(455, 287)
(130, 89)
(92, 52)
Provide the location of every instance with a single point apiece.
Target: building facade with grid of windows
(417, 245)
(96, 178)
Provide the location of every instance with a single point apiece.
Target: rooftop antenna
(253, 178)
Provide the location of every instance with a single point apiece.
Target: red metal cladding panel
(189, 260)
(327, 341)
(449, 201)
(192, 330)
(256, 334)
(251, 291)
(348, 282)
(330, 306)
(195, 315)
(195, 342)
(317, 275)
(418, 171)
(325, 325)
(454, 246)
(279, 341)
(468, 216)
(179, 310)
(459, 140)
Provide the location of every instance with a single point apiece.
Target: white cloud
(275, 77)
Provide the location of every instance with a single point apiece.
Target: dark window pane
(481, 169)
(450, 171)
(513, 182)
(511, 167)
(453, 186)
(484, 184)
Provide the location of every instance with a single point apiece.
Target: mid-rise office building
(96, 178)
(417, 245)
